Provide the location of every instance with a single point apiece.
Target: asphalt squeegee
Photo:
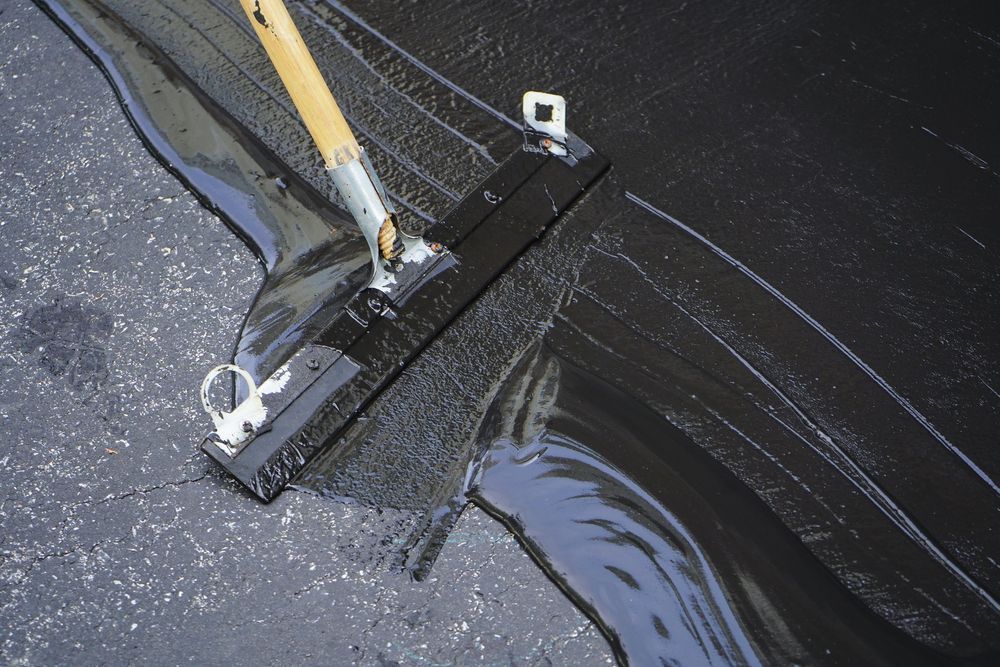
(418, 284)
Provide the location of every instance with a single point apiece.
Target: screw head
(247, 427)
(546, 143)
(312, 364)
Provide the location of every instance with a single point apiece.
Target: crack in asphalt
(14, 557)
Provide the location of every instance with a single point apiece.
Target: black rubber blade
(376, 339)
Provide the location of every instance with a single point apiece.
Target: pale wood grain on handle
(305, 84)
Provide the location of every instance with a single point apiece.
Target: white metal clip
(545, 114)
(234, 429)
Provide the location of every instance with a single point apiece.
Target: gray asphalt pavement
(119, 542)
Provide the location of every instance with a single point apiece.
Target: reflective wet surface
(757, 369)
(680, 561)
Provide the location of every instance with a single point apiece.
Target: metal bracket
(368, 202)
(236, 429)
(544, 123)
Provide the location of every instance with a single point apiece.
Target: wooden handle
(305, 84)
